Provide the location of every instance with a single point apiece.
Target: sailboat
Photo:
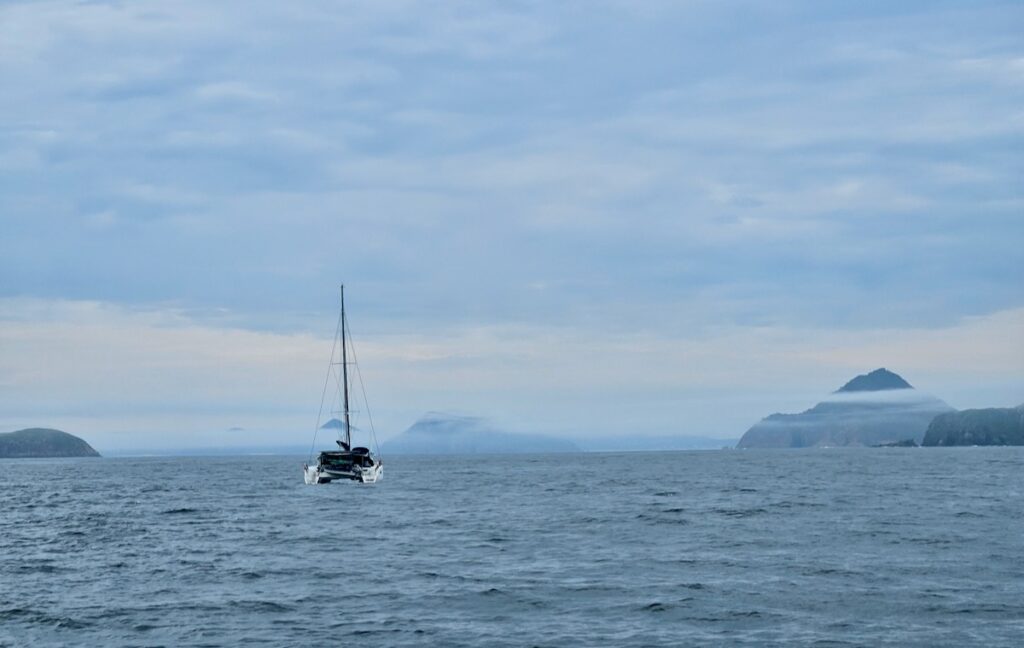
(347, 462)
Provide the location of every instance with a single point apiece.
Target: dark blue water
(829, 548)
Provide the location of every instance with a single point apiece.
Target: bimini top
(345, 454)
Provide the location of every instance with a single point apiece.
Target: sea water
(880, 547)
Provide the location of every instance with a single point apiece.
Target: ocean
(844, 547)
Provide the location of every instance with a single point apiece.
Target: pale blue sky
(539, 208)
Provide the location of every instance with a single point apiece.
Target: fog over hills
(872, 409)
(443, 433)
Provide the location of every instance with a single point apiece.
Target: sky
(577, 218)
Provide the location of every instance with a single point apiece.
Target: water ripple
(712, 548)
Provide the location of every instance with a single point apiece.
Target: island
(43, 442)
(994, 426)
(442, 433)
(879, 408)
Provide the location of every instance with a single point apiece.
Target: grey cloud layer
(674, 167)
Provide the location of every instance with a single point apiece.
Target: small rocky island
(43, 442)
(977, 427)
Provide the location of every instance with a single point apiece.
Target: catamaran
(349, 463)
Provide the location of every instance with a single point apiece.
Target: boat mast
(344, 371)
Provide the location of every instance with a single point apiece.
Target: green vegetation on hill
(992, 426)
(43, 442)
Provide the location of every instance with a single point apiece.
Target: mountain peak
(877, 380)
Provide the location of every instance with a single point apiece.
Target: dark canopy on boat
(345, 454)
(337, 457)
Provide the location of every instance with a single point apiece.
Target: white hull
(368, 475)
(372, 474)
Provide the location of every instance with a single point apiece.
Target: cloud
(139, 378)
(226, 91)
(889, 396)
